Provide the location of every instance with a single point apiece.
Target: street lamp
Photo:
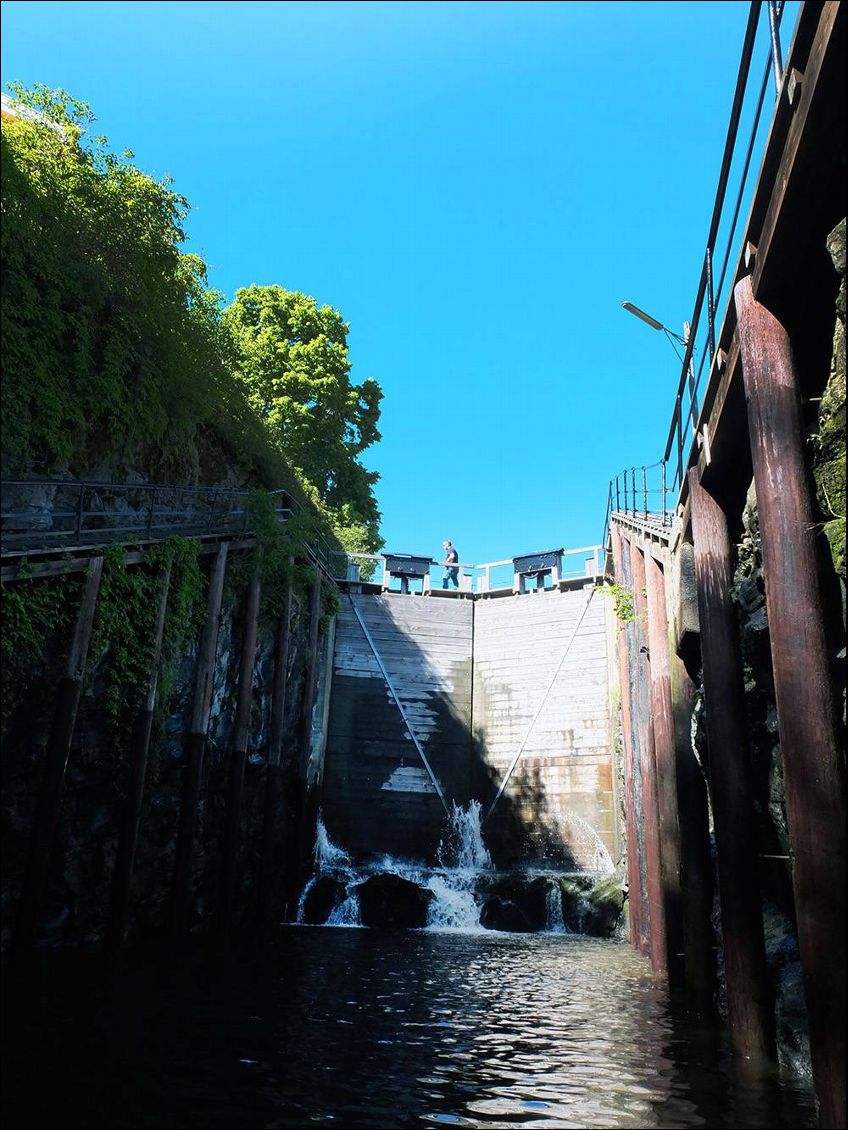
(684, 341)
(654, 324)
(673, 337)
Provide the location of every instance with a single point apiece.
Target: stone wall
(76, 905)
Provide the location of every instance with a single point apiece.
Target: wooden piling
(56, 761)
(748, 1004)
(196, 746)
(139, 747)
(267, 902)
(238, 753)
(696, 867)
(634, 885)
(665, 761)
(813, 770)
(301, 832)
(657, 943)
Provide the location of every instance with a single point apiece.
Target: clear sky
(476, 187)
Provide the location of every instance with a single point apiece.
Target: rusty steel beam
(238, 752)
(139, 747)
(749, 1009)
(634, 884)
(813, 769)
(196, 746)
(666, 768)
(56, 762)
(657, 941)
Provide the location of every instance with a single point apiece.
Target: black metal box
(404, 565)
(536, 562)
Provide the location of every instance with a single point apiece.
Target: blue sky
(476, 187)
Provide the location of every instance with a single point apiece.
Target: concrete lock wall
(479, 680)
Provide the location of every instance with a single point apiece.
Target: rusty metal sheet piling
(813, 769)
(748, 1002)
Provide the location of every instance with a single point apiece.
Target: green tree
(113, 349)
(292, 356)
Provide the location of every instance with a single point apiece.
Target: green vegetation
(123, 636)
(292, 358)
(37, 619)
(829, 440)
(622, 602)
(117, 354)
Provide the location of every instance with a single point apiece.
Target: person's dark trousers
(451, 575)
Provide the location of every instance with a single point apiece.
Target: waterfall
(465, 849)
(463, 886)
(553, 906)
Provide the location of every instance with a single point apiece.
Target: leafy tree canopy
(292, 356)
(116, 352)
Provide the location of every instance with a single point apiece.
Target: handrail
(86, 512)
(481, 572)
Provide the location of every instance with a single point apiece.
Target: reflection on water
(359, 1028)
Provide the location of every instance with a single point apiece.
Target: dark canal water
(362, 1028)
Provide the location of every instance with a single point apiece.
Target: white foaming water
(553, 907)
(328, 855)
(347, 912)
(465, 841)
(463, 859)
(453, 906)
(590, 844)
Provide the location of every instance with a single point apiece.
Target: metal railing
(700, 349)
(44, 514)
(489, 577)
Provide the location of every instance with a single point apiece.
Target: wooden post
(665, 761)
(657, 945)
(305, 807)
(269, 874)
(56, 762)
(696, 868)
(196, 745)
(634, 884)
(813, 770)
(238, 753)
(748, 1004)
(140, 744)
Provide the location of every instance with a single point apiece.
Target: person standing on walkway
(451, 570)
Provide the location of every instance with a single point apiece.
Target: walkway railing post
(748, 1006)
(663, 491)
(774, 32)
(644, 492)
(813, 770)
